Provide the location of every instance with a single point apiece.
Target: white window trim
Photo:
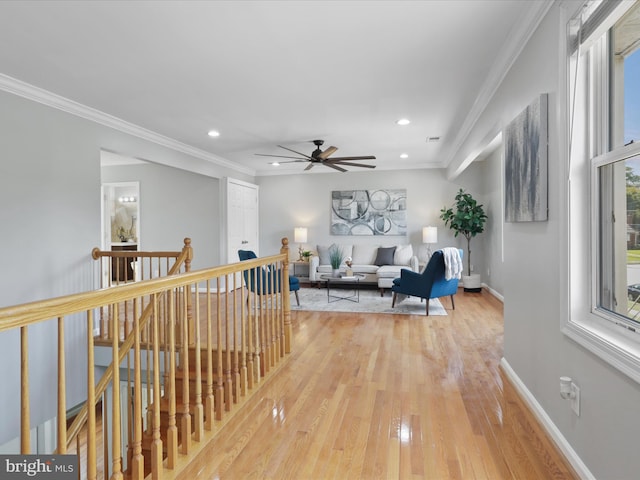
(600, 332)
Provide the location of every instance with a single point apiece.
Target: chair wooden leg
(393, 303)
(453, 305)
(298, 298)
(427, 307)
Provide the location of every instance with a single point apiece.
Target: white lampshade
(430, 235)
(300, 235)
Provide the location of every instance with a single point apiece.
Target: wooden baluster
(25, 414)
(116, 445)
(250, 336)
(198, 410)
(265, 352)
(92, 468)
(257, 320)
(275, 308)
(288, 331)
(209, 402)
(219, 383)
(149, 369)
(62, 394)
(105, 434)
(172, 429)
(272, 311)
(136, 468)
(79, 456)
(156, 442)
(284, 293)
(185, 417)
(234, 334)
(228, 388)
(243, 341)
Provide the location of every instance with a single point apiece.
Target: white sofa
(378, 266)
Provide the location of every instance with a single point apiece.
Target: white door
(242, 218)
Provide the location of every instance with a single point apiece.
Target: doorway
(121, 224)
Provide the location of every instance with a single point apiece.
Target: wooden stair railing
(237, 340)
(148, 265)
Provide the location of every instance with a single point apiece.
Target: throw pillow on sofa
(364, 254)
(385, 256)
(403, 255)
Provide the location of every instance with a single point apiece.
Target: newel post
(286, 298)
(187, 251)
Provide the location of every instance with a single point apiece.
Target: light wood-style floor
(389, 396)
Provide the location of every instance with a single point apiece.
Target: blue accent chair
(431, 283)
(264, 279)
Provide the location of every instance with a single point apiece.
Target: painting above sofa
(369, 212)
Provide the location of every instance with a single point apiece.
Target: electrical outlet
(488, 272)
(472, 267)
(575, 399)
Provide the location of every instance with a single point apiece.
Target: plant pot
(335, 272)
(472, 283)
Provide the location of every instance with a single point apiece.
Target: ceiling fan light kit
(320, 157)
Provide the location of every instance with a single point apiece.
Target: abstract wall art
(369, 212)
(525, 159)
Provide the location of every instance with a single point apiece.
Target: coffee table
(353, 280)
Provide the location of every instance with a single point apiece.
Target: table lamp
(429, 236)
(300, 237)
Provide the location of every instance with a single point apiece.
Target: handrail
(256, 336)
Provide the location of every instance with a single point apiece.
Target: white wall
(50, 220)
(175, 204)
(606, 433)
(305, 200)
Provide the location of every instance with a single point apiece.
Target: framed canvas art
(369, 212)
(525, 159)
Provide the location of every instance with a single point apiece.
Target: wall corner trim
(550, 428)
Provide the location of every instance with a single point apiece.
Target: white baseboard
(550, 428)
(493, 292)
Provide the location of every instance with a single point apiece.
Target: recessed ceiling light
(403, 121)
(275, 164)
(404, 155)
(213, 133)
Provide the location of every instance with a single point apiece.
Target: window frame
(604, 333)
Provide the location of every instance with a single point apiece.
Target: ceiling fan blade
(335, 167)
(365, 157)
(279, 156)
(352, 164)
(324, 155)
(300, 160)
(309, 167)
(305, 156)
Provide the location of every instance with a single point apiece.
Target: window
(604, 192)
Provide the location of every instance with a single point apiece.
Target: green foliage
(633, 180)
(466, 217)
(335, 257)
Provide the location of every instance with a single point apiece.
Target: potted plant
(335, 259)
(306, 254)
(467, 218)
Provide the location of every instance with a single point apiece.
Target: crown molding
(512, 47)
(44, 97)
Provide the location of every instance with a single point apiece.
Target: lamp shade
(300, 235)
(430, 235)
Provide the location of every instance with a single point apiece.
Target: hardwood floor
(388, 396)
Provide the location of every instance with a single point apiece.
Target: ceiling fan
(319, 157)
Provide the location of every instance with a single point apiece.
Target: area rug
(370, 302)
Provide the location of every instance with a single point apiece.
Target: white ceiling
(265, 73)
